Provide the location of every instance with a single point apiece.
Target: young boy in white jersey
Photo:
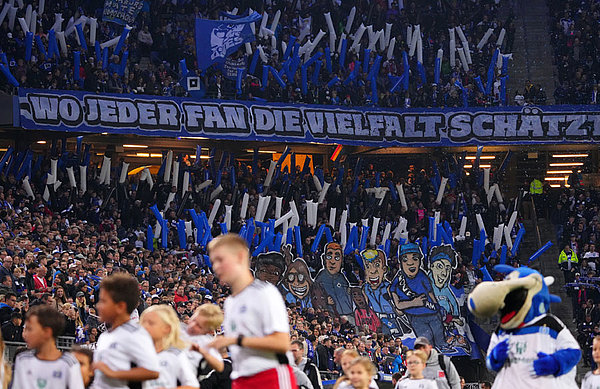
(592, 378)
(126, 342)
(256, 323)
(45, 366)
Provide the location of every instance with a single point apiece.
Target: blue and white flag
(217, 39)
(122, 11)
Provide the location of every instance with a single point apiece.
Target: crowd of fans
(575, 39)
(57, 252)
(164, 35)
(576, 220)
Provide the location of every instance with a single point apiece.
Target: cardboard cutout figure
(321, 300)
(442, 259)
(364, 315)
(296, 284)
(413, 296)
(269, 267)
(376, 287)
(333, 281)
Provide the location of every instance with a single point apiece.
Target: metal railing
(384, 381)
(535, 223)
(63, 343)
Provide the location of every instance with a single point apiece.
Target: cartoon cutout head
(358, 296)
(442, 259)
(519, 298)
(375, 264)
(269, 267)
(411, 258)
(332, 257)
(297, 278)
(320, 298)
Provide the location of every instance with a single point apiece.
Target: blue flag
(217, 39)
(122, 11)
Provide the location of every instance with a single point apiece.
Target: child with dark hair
(44, 365)
(85, 356)
(125, 343)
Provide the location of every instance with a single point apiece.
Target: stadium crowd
(576, 219)
(575, 40)
(164, 35)
(57, 252)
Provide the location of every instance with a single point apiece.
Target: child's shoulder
(29, 356)
(69, 359)
(127, 327)
(591, 376)
(25, 355)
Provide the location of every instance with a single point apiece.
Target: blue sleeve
(567, 359)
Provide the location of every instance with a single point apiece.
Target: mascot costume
(531, 347)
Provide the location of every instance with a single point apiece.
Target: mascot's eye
(300, 277)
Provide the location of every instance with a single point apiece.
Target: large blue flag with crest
(217, 39)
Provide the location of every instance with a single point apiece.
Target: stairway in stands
(532, 50)
(547, 264)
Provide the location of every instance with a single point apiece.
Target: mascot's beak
(490, 297)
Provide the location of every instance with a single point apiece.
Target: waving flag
(217, 39)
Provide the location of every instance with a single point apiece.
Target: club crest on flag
(224, 37)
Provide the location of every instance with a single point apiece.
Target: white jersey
(195, 357)
(256, 311)
(174, 366)
(591, 381)
(31, 372)
(416, 384)
(545, 334)
(121, 347)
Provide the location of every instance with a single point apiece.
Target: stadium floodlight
(262, 151)
(481, 166)
(559, 172)
(569, 155)
(566, 164)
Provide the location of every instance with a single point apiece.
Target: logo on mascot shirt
(441, 374)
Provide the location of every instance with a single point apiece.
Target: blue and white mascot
(531, 348)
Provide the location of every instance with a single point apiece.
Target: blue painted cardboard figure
(442, 260)
(333, 281)
(413, 296)
(376, 287)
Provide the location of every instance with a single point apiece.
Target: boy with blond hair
(256, 327)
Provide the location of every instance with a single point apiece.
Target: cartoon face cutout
(441, 270)
(358, 297)
(442, 259)
(269, 267)
(332, 258)
(375, 264)
(411, 262)
(297, 279)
